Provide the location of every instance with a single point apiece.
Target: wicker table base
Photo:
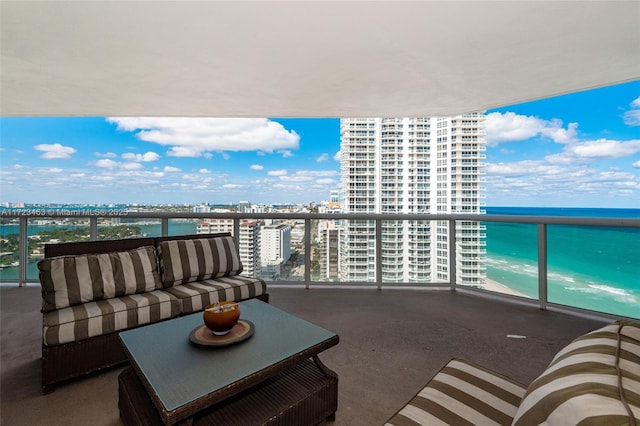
(306, 394)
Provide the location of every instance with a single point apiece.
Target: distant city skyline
(576, 150)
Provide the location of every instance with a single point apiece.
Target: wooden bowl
(220, 318)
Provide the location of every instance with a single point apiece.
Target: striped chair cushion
(462, 393)
(184, 261)
(71, 280)
(593, 380)
(197, 295)
(91, 319)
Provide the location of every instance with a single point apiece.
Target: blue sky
(576, 150)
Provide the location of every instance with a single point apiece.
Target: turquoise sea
(589, 267)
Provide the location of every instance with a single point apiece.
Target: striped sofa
(93, 290)
(595, 380)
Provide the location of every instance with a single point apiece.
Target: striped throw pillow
(593, 380)
(184, 261)
(462, 393)
(71, 280)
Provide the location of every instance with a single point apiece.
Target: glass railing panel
(9, 234)
(281, 250)
(511, 258)
(43, 231)
(122, 228)
(594, 268)
(407, 253)
(40, 231)
(187, 226)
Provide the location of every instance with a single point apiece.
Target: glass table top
(181, 372)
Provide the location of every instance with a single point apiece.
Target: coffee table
(274, 377)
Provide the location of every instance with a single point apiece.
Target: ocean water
(594, 268)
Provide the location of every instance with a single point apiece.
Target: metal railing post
(307, 252)
(542, 265)
(93, 228)
(379, 253)
(236, 231)
(452, 254)
(164, 227)
(23, 252)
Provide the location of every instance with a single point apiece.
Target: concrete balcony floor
(391, 343)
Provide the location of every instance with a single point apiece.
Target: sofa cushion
(91, 319)
(184, 261)
(463, 393)
(71, 280)
(593, 380)
(196, 296)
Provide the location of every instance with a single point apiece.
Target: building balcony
(394, 336)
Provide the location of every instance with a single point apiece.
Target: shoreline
(492, 285)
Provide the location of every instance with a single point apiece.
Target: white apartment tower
(248, 241)
(249, 248)
(275, 240)
(329, 249)
(412, 165)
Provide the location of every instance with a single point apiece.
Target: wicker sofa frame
(70, 360)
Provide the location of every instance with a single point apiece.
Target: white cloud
(256, 167)
(132, 166)
(280, 172)
(225, 156)
(55, 150)
(180, 151)
(307, 175)
(523, 168)
(323, 157)
(105, 154)
(107, 163)
(171, 169)
(54, 170)
(337, 156)
(204, 171)
(191, 137)
(286, 153)
(604, 148)
(636, 164)
(632, 117)
(231, 186)
(511, 127)
(590, 151)
(553, 184)
(326, 181)
(141, 158)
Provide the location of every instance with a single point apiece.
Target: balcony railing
(374, 260)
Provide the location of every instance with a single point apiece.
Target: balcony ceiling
(307, 59)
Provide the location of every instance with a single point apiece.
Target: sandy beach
(492, 285)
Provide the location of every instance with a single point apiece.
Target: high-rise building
(275, 249)
(249, 248)
(214, 226)
(412, 165)
(275, 243)
(329, 249)
(248, 241)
